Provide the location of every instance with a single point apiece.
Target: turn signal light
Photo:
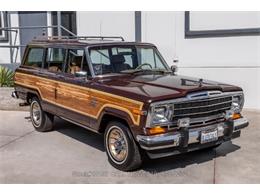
(236, 116)
(156, 130)
(139, 112)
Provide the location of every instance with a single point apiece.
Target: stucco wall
(107, 24)
(232, 60)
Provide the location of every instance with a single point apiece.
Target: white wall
(234, 60)
(5, 52)
(106, 24)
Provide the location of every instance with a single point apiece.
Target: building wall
(107, 24)
(5, 52)
(232, 60)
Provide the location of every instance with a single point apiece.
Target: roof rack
(73, 38)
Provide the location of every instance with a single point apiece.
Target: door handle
(55, 93)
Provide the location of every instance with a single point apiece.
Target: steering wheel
(144, 64)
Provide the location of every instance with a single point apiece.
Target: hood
(153, 87)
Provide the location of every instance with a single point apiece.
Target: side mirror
(81, 74)
(174, 68)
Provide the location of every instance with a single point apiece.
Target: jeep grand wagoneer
(126, 92)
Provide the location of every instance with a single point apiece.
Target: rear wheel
(41, 120)
(122, 151)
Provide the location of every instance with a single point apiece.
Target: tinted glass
(34, 57)
(147, 56)
(100, 61)
(116, 59)
(128, 54)
(77, 63)
(55, 59)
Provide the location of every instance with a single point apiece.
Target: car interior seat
(118, 63)
(75, 64)
(55, 67)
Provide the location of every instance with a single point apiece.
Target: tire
(130, 158)
(41, 120)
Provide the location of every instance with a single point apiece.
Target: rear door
(72, 90)
(33, 76)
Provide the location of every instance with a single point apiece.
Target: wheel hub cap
(117, 144)
(36, 113)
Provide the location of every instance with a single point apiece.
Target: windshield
(126, 59)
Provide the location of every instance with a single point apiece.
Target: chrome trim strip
(195, 113)
(207, 118)
(195, 122)
(198, 95)
(204, 106)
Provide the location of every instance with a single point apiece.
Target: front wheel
(41, 120)
(122, 151)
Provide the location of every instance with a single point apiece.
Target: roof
(83, 41)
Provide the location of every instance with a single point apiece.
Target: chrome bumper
(175, 139)
(240, 124)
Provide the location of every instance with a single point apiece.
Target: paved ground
(8, 103)
(73, 155)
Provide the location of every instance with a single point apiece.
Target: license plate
(209, 136)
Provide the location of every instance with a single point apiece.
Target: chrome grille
(202, 107)
(203, 121)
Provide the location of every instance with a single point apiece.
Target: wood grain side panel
(80, 99)
(75, 98)
(46, 88)
(103, 101)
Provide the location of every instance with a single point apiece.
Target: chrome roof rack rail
(73, 38)
(100, 37)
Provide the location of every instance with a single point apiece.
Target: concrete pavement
(71, 154)
(8, 103)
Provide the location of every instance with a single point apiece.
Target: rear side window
(55, 59)
(34, 57)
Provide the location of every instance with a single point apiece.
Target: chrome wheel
(36, 113)
(117, 144)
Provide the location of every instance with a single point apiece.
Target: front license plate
(209, 136)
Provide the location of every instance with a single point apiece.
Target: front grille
(202, 107)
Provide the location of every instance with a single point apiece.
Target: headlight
(237, 103)
(161, 114)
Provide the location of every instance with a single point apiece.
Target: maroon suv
(126, 92)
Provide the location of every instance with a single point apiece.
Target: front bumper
(184, 138)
